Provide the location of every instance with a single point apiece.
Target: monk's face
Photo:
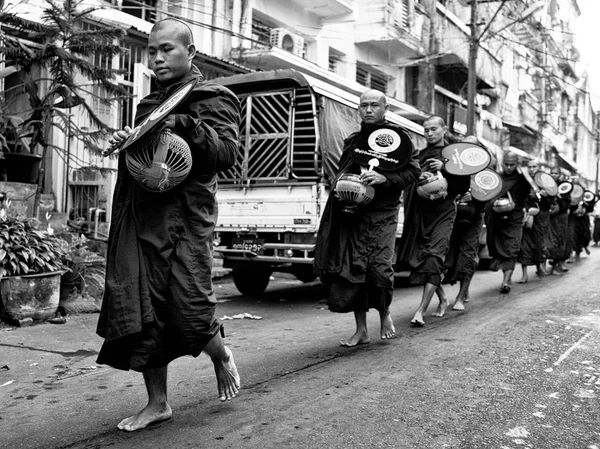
(169, 57)
(533, 167)
(372, 108)
(509, 164)
(434, 130)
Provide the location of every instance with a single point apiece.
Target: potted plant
(31, 265)
(81, 287)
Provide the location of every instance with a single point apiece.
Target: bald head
(372, 107)
(434, 129)
(180, 30)
(510, 162)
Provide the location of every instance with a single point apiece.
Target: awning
(520, 152)
(566, 163)
(519, 128)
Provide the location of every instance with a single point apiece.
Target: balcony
(397, 27)
(327, 9)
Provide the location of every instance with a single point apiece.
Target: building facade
(531, 94)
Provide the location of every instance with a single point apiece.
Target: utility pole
(427, 75)
(472, 79)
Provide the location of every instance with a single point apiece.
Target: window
(335, 58)
(135, 53)
(261, 32)
(369, 77)
(144, 9)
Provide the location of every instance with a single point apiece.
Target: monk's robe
(505, 230)
(354, 252)
(428, 225)
(559, 230)
(462, 259)
(532, 243)
(579, 227)
(159, 300)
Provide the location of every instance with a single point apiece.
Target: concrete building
(531, 95)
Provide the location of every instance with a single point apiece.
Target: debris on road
(241, 316)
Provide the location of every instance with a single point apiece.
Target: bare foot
(441, 309)
(417, 320)
(359, 338)
(555, 272)
(228, 379)
(387, 327)
(458, 304)
(523, 280)
(149, 415)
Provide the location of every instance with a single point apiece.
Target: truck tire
(305, 273)
(250, 278)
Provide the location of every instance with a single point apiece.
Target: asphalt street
(512, 371)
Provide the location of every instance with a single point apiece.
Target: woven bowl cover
(160, 161)
(432, 186)
(350, 188)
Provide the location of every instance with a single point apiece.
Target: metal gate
(270, 150)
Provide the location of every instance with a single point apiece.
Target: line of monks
(543, 224)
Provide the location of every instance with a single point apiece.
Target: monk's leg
(525, 276)
(158, 408)
(506, 281)
(361, 336)
(555, 268)
(463, 293)
(228, 379)
(541, 269)
(387, 325)
(428, 291)
(443, 305)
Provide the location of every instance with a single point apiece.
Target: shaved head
(435, 119)
(509, 156)
(181, 31)
(374, 94)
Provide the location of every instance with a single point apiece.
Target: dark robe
(579, 227)
(354, 252)
(159, 300)
(462, 259)
(558, 231)
(505, 230)
(532, 242)
(428, 225)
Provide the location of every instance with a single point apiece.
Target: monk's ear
(191, 51)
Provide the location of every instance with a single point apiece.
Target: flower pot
(33, 296)
(22, 167)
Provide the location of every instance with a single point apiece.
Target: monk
(428, 223)
(354, 252)
(505, 229)
(159, 301)
(532, 243)
(462, 259)
(558, 235)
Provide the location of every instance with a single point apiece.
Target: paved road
(515, 371)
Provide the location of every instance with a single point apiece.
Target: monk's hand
(120, 136)
(372, 177)
(434, 165)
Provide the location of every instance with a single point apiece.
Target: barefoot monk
(159, 300)
(505, 224)
(354, 251)
(428, 222)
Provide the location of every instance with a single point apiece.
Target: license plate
(253, 245)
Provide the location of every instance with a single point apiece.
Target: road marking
(572, 348)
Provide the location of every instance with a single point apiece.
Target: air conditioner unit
(282, 38)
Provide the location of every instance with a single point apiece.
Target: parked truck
(271, 201)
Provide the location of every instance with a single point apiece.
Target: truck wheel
(305, 273)
(251, 279)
